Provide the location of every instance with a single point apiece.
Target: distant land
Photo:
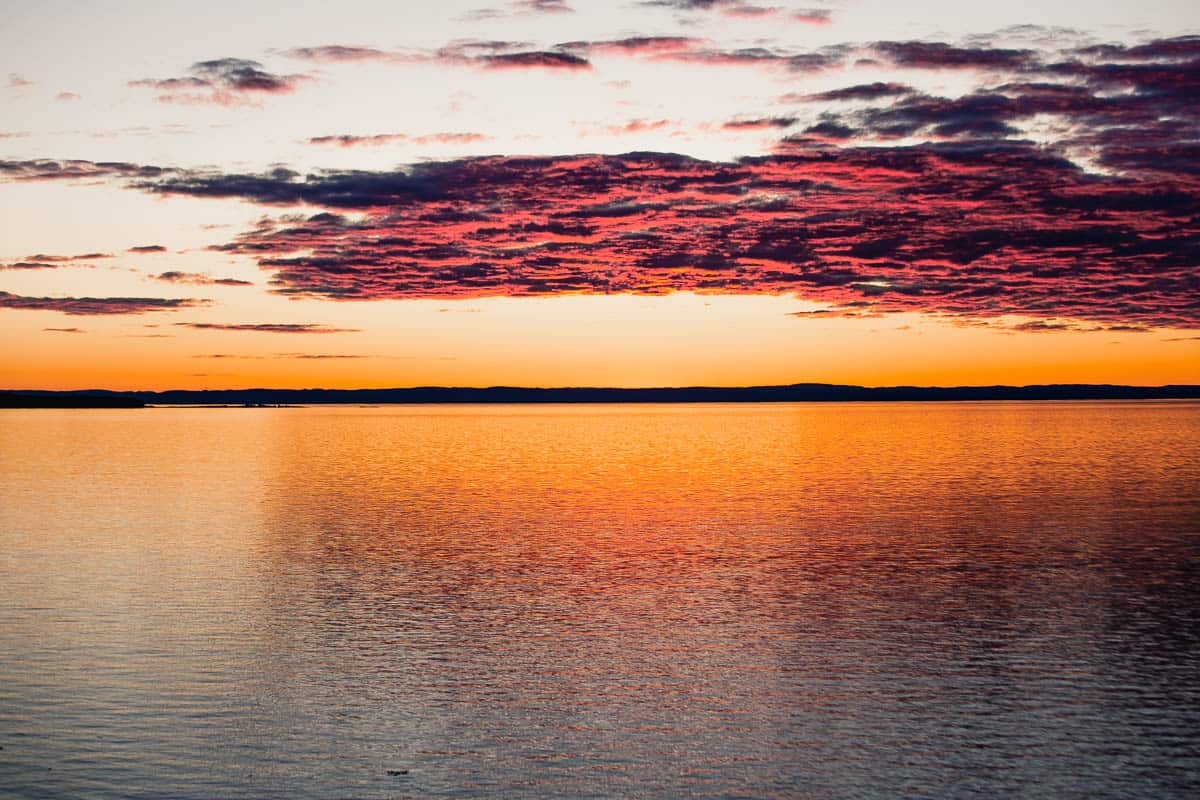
(799, 392)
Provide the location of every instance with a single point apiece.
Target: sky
(574, 193)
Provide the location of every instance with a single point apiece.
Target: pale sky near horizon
(397, 194)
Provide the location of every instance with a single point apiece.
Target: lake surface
(661, 601)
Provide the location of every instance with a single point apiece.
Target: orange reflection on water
(644, 598)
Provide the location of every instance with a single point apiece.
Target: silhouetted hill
(800, 392)
(67, 400)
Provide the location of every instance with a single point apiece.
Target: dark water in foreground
(877, 600)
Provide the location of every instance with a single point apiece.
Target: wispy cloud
(97, 306)
(482, 54)
(47, 261)
(383, 139)
(267, 327)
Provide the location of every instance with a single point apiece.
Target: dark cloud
(19, 265)
(60, 259)
(224, 81)
(46, 261)
(864, 91)
(97, 306)
(939, 55)
(50, 170)
(760, 123)
(548, 59)
(267, 327)
(965, 219)
(1182, 48)
(198, 279)
(972, 229)
(1127, 116)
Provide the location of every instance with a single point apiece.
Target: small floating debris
(397, 772)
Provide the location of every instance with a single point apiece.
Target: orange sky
(676, 340)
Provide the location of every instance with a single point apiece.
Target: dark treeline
(804, 392)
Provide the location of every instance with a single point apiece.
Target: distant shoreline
(794, 393)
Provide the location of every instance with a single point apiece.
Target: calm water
(842, 600)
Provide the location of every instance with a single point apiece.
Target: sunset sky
(564, 192)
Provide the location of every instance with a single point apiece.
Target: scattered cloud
(67, 97)
(16, 81)
(148, 248)
(198, 279)
(222, 81)
(65, 330)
